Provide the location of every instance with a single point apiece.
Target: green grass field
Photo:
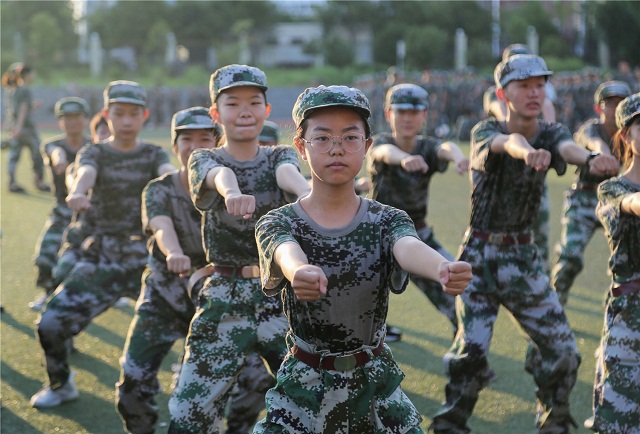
(505, 407)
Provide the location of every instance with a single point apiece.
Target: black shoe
(393, 334)
(15, 188)
(43, 187)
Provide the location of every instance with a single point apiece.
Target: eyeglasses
(323, 143)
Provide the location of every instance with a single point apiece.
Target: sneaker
(43, 187)
(38, 303)
(47, 398)
(122, 302)
(393, 334)
(588, 423)
(15, 188)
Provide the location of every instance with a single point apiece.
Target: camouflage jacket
(592, 128)
(46, 148)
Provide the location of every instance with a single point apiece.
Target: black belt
(346, 362)
(626, 288)
(500, 237)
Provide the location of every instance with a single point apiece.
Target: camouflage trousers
(512, 276)
(579, 222)
(48, 245)
(616, 390)
(110, 268)
(163, 313)
(367, 399)
(70, 250)
(27, 139)
(233, 319)
(542, 228)
(444, 302)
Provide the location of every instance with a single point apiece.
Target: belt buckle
(497, 238)
(344, 363)
(250, 272)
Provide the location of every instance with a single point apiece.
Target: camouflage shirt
(116, 195)
(46, 148)
(622, 230)
(230, 240)
(22, 95)
(506, 193)
(358, 262)
(165, 196)
(392, 185)
(592, 128)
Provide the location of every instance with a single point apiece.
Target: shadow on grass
(16, 325)
(12, 423)
(106, 373)
(22, 384)
(105, 335)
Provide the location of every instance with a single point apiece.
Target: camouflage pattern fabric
(71, 248)
(125, 91)
(409, 192)
(512, 276)
(541, 227)
(116, 196)
(233, 318)
(235, 75)
(616, 394)
(579, 221)
(230, 240)
(110, 268)
(506, 198)
(193, 118)
(71, 105)
(627, 110)
(520, 67)
(361, 271)
(58, 181)
(29, 139)
(329, 96)
(407, 96)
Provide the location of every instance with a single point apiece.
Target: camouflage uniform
(270, 133)
(508, 271)
(361, 271)
(114, 257)
(233, 318)
(28, 137)
(579, 221)
(394, 186)
(616, 392)
(50, 238)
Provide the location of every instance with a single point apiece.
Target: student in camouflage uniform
(509, 161)
(270, 134)
(401, 165)
(616, 391)
(579, 221)
(57, 153)
(114, 257)
(336, 257)
(232, 186)
(24, 132)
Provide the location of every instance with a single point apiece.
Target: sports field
(506, 407)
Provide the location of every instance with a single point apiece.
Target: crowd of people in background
(249, 262)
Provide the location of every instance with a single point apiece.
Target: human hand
(309, 283)
(414, 163)
(462, 165)
(539, 159)
(78, 202)
(603, 165)
(455, 276)
(179, 263)
(241, 205)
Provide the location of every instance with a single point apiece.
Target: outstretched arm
(631, 204)
(394, 156)
(599, 165)
(84, 181)
(416, 257)
(290, 179)
(224, 181)
(308, 281)
(517, 146)
(452, 152)
(167, 239)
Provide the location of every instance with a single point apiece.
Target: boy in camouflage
(616, 391)
(57, 153)
(232, 186)
(509, 161)
(114, 256)
(579, 221)
(401, 165)
(336, 257)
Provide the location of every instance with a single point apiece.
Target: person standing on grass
(509, 162)
(232, 186)
(114, 256)
(579, 221)
(616, 404)
(401, 165)
(58, 153)
(335, 257)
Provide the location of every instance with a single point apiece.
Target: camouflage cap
(125, 91)
(235, 75)
(270, 132)
(71, 105)
(329, 96)
(628, 109)
(609, 89)
(514, 49)
(520, 67)
(407, 97)
(193, 118)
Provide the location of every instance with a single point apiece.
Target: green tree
(156, 45)
(44, 42)
(618, 23)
